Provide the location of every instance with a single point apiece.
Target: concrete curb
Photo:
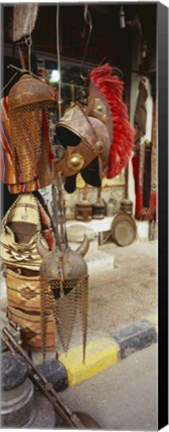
(103, 352)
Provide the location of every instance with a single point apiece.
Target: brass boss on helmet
(87, 136)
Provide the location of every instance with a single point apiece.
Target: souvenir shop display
(46, 280)
(95, 143)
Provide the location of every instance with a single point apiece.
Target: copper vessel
(126, 206)
(99, 207)
(83, 211)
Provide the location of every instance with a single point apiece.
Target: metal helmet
(73, 264)
(87, 137)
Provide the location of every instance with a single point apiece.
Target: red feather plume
(123, 133)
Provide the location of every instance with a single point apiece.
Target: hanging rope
(58, 59)
(58, 187)
(88, 21)
(10, 80)
(28, 42)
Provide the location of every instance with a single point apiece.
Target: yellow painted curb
(154, 320)
(100, 354)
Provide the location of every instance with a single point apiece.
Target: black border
(162, 68)
(162, 73)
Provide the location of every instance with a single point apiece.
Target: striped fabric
(7, 170)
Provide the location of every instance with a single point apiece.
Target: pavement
(122, 311)
(123, 397)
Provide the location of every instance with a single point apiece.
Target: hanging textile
(140, 117)
(144, 162)
(24, 19)
(153, 190)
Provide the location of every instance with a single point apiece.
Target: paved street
(123, 397)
